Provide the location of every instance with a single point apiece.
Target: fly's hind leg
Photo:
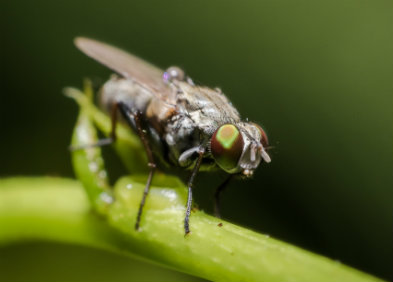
(134, 120)
(106, 141)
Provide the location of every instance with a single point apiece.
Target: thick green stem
(58, 209)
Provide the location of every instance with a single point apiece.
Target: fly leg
(106, 141)
(134, 120)
(195, 170)
(151, 164)
(217, 194)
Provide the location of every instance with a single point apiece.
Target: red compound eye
(227, 146)
(264, 140)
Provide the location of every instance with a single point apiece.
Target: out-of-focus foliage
(317, 75)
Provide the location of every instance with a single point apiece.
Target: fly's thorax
(239, 147)
(199, 110)
(118, 89)
(206, 107)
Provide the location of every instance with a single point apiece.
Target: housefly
(179, 123)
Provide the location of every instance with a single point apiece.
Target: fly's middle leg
(134, 117)
(151, 164)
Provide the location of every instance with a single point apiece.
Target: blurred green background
(316, 74)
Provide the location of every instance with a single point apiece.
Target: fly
(179, 123)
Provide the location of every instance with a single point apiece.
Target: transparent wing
(127, 65)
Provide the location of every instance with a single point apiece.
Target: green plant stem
(58, 209)
(45, 208)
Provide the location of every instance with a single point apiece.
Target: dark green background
(316, 74)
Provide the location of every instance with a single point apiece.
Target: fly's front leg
(217, 194)
(195, 170)
(134, 119)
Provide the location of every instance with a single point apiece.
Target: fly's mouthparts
(265, 156)
(253, 152)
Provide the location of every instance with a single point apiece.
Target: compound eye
(264, 141)
(227, 146)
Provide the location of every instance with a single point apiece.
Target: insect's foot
(186, 233)
(186, 229)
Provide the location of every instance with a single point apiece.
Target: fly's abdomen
(126, 91)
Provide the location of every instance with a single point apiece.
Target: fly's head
(239, 148)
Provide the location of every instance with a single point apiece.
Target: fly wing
(127, 65)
